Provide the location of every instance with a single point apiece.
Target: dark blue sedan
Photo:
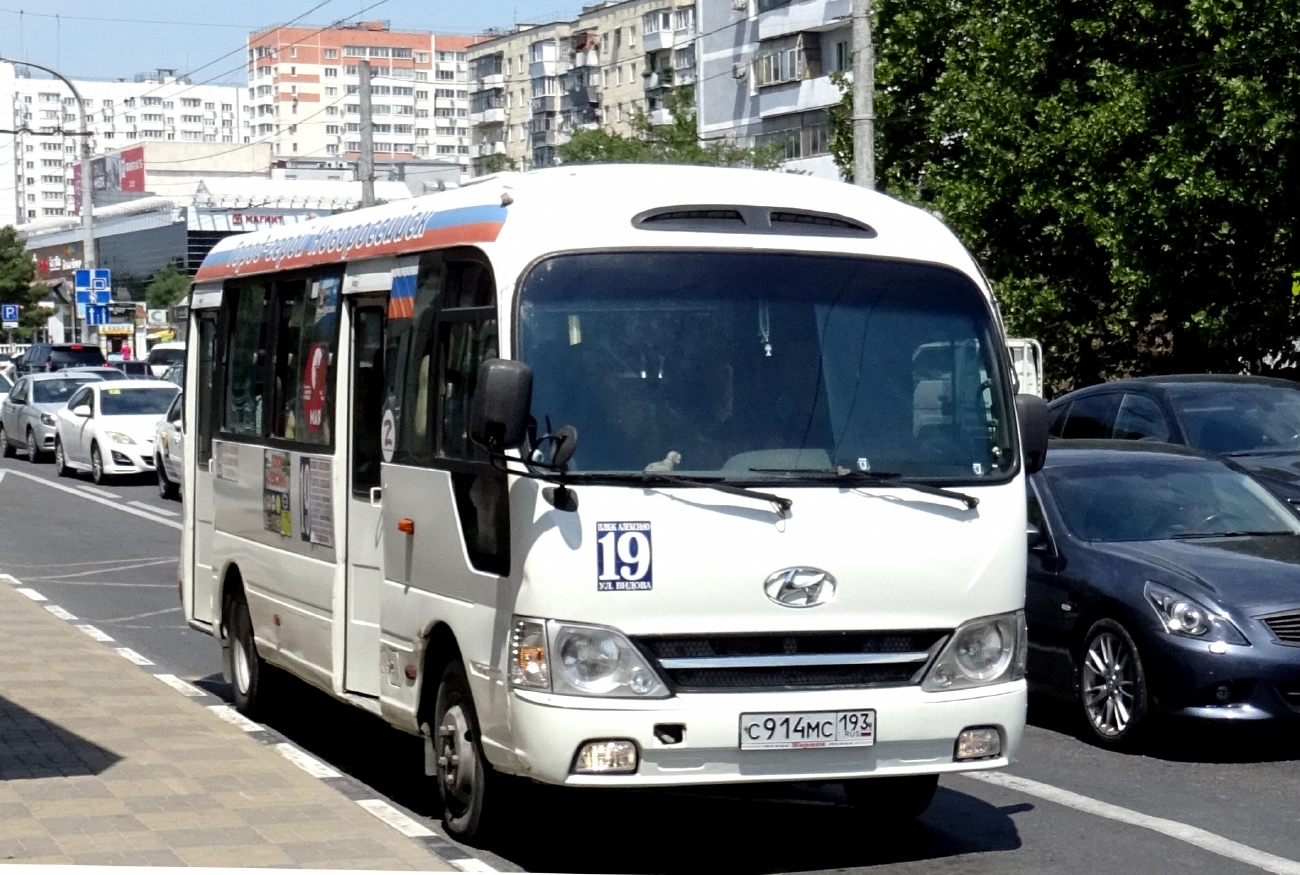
(1160, 579)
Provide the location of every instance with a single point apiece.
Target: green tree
(17, 283)
(499, 162)
(1120, 168)
(166, 288)
(677, 142)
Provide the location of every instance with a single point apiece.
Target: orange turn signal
(406, 526)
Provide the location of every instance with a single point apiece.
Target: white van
(620, 476)
(163, 355)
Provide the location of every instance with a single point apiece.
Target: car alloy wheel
(1112, 684)
(96, 465)
(60, 460)
(33, 448)
(5, 449)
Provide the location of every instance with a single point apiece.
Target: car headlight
(989, 650)
(118, 438)
(1184, 616)
(48, 419)
(579, 660)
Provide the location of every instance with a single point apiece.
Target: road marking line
(95, 498)
(305, 761)
(1215, 844)
(110, 570)
(152, 509)
(396, 819)
(183, 687)
(129, 654)
(10, 579)
(158, 559)
(31, 594)
(91, 490)
(59, 612)
(93, 632)
(234, 718)
(146, 615)
(470, 864)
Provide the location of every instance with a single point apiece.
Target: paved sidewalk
(102, 763)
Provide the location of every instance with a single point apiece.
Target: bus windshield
(750, 365)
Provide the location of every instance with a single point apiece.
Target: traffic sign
(93, 286)
(8, 315)
(97, 315)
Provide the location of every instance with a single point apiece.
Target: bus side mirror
(1031, 411)
(502, 398)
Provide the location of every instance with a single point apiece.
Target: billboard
(112, 175)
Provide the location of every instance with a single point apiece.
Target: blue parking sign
(93, 286)
(9, 315)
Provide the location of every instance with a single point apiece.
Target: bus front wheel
(468, 787)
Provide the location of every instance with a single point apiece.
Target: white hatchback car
(108, 427)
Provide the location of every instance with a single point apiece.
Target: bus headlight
(990, 650)
(579, 660)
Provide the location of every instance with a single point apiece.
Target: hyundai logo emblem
(800, 587)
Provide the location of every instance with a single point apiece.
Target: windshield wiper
(653, 478)
(872, 478)
(1188, 536)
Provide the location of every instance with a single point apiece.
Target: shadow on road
(1179, 739)
(753, 828)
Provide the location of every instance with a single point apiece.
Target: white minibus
(619, 476)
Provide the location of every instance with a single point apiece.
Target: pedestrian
(126, 350)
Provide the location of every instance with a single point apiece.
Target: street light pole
(87, 208)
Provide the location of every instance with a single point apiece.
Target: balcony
(811, 15)
(548, 103)
(483, 150)
(803, 94)
(549, 138)
(590, 58)
(659, 79)
(544, 69)
(653, 41)
(485, 83)
(492, 116)
(661, 116)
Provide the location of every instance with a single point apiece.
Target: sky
(111, 39)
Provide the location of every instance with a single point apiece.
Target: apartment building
(764, 73)
(533, 87)
(37, 163)
(303, 83)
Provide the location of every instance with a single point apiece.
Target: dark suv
(44, 357)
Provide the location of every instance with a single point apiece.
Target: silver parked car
(27, 414)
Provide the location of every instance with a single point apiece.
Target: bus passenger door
(365, 571)
(198, 486)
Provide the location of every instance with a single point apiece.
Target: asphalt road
(1197, 799)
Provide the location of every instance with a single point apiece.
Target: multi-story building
(303, 83)
(764, 73)
(451, 137)
(533, 87)
(37, 163)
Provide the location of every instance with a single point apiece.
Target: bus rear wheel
(468, 787)
(248, 671)
(903, 797)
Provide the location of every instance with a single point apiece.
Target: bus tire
(468, 786)
(898, 798)
(248, 670)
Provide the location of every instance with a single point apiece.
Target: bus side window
(245, 404)
(367, 397)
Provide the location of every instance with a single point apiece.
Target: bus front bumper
(916, 733)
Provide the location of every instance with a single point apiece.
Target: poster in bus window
(316, 490)
(277, 513)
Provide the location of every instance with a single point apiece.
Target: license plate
(807, 729)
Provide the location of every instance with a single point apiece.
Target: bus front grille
(813, 660)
